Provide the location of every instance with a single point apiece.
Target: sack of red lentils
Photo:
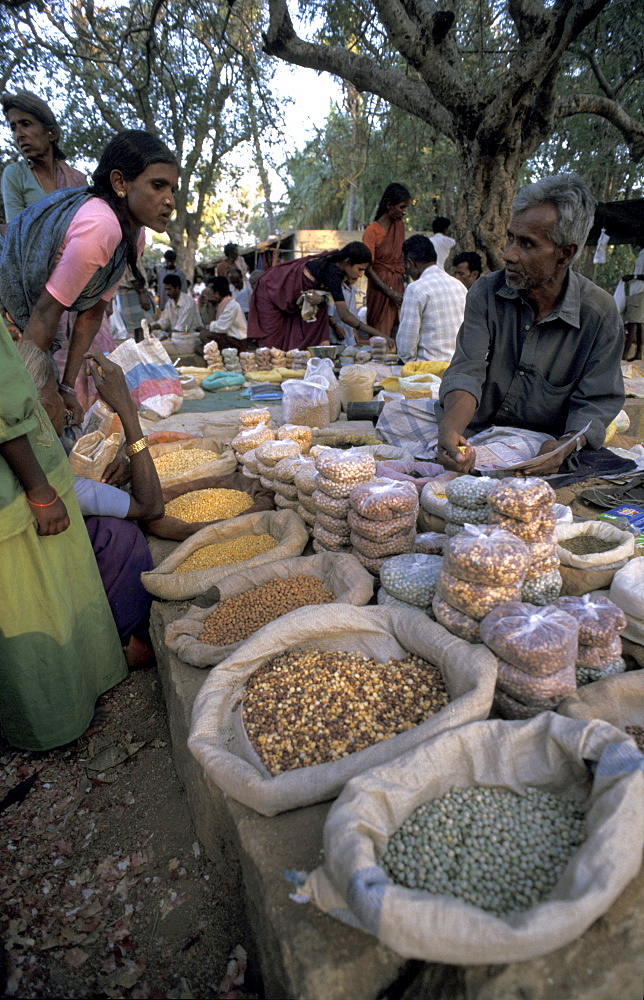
(206, 636)
(492, 843)
(323, 693)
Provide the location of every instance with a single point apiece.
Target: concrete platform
(306, 955)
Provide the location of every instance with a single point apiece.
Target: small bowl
(326, 351)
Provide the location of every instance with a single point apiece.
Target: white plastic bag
(323, 368)
(305, 402)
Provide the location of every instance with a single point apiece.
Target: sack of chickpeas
(226, 547)
(255, 597)
(489, 844)
(324, 693)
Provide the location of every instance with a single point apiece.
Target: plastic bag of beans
(412, 577)
(307, 502)
(542, 590)
(337, 525)
(373, 565)
(475, 599)
(306, 515)
(533, 690)
(266, 482)
(598, 657)
(469, 491)
(598, 617)
(305, 403)
(378, 531)
(384, 499)
(590, 675)
(538, 641)
(249, 462)
(296, 432)
(285, 489)
(466, 515)
(430, 542)
(381, 633)
(486, 555)
(543, 567)
(383, 597)
(452, 530)
(264, 470)
(285, 469)
(252, 437)
(521, 498)
(252, 418)
(543, 550)
(541, 753)
(305, 478)
(328, 539)
(378, 550)
(509, 708)
(539, 529)
(282, 502)
(455, 621)
(346, 467)
(270, 452)
(339, 491)
(333, 506)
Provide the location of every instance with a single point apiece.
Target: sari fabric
(386, 251)
(275, 319)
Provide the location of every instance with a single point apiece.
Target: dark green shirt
(552, 376)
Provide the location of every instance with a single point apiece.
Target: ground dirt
(104, 889)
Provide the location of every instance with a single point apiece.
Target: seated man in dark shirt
(540, 345)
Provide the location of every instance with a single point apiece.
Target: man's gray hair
(573, 201)
(37, 363)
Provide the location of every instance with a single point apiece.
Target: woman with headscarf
(283, 292)
(70, 249)
(385, 237)
(44, 169)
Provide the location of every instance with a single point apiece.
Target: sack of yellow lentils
(227, 487)
(324, 693)
(226, 547)
(183, 461)
(250, 599)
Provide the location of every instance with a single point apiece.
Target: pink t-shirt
(90, 241)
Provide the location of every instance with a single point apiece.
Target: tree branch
(408, 93)
(595, 104)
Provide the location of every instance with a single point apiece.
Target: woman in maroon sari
(275, 318)
(385, 238)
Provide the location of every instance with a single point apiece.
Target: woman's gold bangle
(136, 446)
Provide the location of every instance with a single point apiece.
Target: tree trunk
(488, 186)
(259, 160)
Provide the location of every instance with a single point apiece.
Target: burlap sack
(285, 525)
(549, 752)
(618, 699)
(222, 465)
(380, 632)
(262, 498)
(341, 573)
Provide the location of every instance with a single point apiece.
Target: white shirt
(430, 316)
(230, 320)
(442, 244)
(182, 316)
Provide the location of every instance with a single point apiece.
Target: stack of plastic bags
(467, 502)
(483, 567)
(305, 481)
(600, 647)
(248, 361)
(252, 434)
(410, 581)
(267, 456)
(278, 358)
(231, 359)
(338, 473)
(537, 653)
(297, 360)
(378, 348)
(524, 507)
(382, 519)
(212, 357)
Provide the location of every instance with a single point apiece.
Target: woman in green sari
(59, 647)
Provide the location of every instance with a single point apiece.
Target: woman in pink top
(70, 249)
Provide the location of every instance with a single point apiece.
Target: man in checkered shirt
(432, 308)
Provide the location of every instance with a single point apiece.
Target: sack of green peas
(443, 815)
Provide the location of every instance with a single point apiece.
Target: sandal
(631, 492)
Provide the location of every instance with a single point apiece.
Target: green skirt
(59, 648)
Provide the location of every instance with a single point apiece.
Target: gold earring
(121, 194)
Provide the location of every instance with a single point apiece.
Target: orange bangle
(50, 504)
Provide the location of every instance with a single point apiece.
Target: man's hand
(110, 382)
(397, 297)
(117, 472)
(454, 452)
(550, 466)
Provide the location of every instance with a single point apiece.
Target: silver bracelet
(66, 388)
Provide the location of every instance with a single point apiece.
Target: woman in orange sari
(385, 238)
